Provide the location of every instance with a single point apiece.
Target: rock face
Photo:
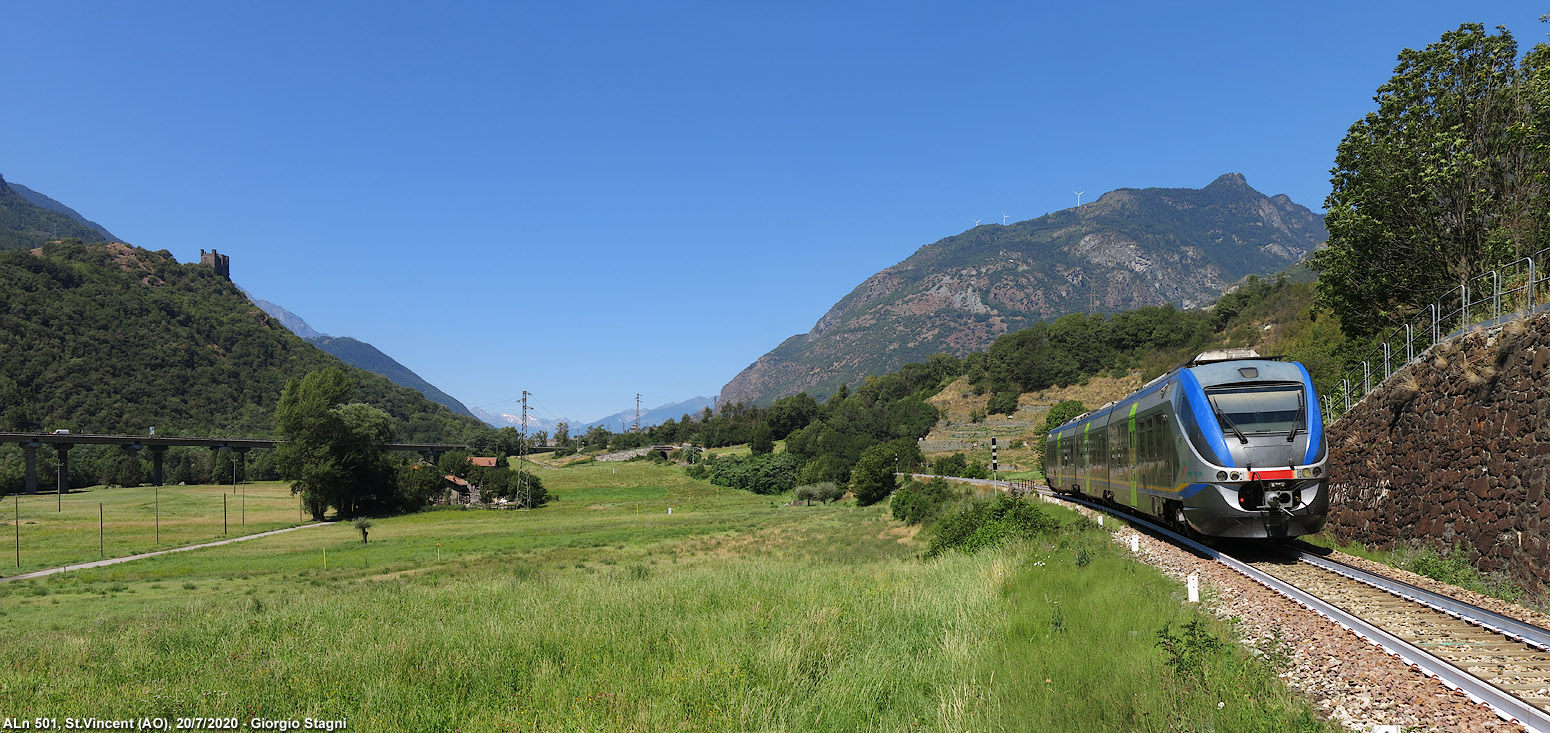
(1454, 452)
(1130, 248)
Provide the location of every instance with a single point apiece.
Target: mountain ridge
(1129, 248)
(44, 202)
(26, 225)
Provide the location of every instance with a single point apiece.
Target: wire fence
(1512, 291)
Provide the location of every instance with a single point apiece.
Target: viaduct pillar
(132, 449)
(158, 452)
(30, 452)
(63, 449)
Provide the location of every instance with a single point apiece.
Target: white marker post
(1135, 543)
(1193, 583)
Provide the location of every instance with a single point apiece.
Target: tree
(872, 479)
(597, 437)
(790, 414)
(1442, 182)
(331, 451)
(761, 442)
(1058, 415)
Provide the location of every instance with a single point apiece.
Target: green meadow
(603, 612)
(63, 530)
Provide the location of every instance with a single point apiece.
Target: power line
(522, 456)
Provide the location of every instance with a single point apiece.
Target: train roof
(1202, 359)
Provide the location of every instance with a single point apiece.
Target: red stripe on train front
(1261, 475)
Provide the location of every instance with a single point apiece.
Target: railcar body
(1228, 445)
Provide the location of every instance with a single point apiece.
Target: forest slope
(112, 338)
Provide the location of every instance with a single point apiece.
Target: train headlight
(1221, 475)
(1303, 472)
(1317, 470)
(1235, 475)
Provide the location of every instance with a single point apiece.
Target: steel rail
(1501, 702)
(1505, 625)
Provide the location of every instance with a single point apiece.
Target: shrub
(765, 474)
(1191, 649)
(952, 465)
(1454, 568)
(825, 492)
(987, 523)
(920, 503)
(1004, 403)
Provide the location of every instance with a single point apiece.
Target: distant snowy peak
(508, 420)
(621, 420)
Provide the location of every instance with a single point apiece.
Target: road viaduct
(158, 445)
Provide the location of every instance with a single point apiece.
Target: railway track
(1507, 654)
(1496, 660)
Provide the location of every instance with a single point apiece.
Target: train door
(1100, 468)
(1132, 460)
(1119, 467)
(1087, 457)
(1068, 458)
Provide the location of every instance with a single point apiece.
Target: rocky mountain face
(1128, 249)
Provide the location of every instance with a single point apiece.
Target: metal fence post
(1436, 315)
(1345, 391)
(1386, 371)
(1531, 285)
(1366, 378)
(1496, 294)
(1409, 344)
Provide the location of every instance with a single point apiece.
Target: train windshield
(1259, 408)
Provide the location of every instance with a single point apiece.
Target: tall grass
(1079, 650)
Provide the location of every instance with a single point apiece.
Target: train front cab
(1251, 440)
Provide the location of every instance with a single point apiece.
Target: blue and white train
(1228, 445)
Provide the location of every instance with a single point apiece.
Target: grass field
(605, 612)
(63, 530)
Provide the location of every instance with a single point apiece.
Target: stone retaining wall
(1454, 451)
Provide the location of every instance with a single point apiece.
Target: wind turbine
(1003, 218)
(977, 222)
(1078, 197)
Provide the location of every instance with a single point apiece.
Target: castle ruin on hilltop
(221, 263)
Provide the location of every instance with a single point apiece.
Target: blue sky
(589, 200)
